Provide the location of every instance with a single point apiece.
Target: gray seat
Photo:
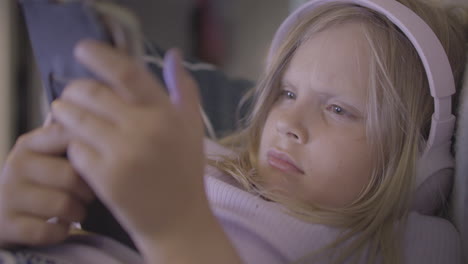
(459, 199)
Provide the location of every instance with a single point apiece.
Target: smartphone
(54, 28)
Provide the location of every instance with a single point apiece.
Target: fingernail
(172, 66)
(175, 56)
(171, 74)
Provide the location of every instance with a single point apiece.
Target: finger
(82, 124)
(48, 120)
(129, 78)
(95, 97)
(84, 159)
(58, 173)
(182, 87)
(45, 202)
(34, 231)
(51, 139)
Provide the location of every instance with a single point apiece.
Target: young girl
(321, 172)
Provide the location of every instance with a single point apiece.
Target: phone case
(55, 27)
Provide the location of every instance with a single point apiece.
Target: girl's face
(313, 145)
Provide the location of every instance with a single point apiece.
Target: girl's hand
(139, 149)
(36, 184)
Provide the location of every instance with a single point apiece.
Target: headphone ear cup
(434, 179)
(432, 195)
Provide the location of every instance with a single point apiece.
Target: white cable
(208, 125)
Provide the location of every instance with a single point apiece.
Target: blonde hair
(398, 94)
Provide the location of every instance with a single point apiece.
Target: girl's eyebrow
(285, 82)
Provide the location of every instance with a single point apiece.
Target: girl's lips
(282, 162)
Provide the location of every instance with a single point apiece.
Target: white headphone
(436, 157)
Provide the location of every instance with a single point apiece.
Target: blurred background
(232, 34)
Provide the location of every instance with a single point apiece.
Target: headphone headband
(432, 54)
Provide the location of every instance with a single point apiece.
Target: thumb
(183, 90)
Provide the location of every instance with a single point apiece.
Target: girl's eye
(337, 109)
(288, 94)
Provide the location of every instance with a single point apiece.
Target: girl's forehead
(336, 58)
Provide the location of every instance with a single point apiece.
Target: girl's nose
(290, 125)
